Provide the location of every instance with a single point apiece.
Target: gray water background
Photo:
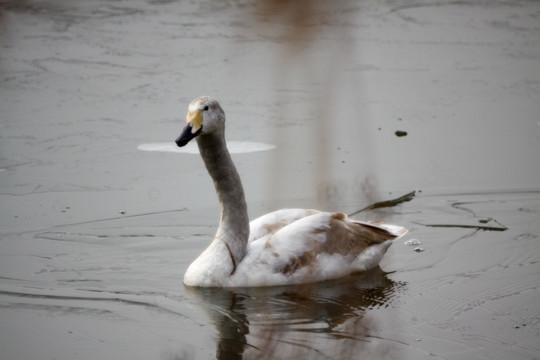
(95, 235)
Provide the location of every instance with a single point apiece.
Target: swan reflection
(325, 318)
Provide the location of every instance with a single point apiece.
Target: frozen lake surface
(330, 105)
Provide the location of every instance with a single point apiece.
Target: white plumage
(287, 246)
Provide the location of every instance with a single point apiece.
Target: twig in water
(465, 226)
(387, 203)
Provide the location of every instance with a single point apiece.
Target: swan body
(288, 246)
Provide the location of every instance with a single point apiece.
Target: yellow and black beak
(192, 129)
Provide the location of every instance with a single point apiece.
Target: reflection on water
(292, 321)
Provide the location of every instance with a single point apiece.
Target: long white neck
(234, 223)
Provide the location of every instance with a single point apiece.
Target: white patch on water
(235, 147)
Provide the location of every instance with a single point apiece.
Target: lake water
(96, 234)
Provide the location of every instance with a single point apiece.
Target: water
(95, 235)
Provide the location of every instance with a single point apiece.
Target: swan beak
(195, 119)
(192, 129)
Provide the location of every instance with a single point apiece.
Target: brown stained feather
(275, 227)
(351, 238)
(298, 262)
(343, 237)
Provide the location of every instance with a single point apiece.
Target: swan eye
(205, 108)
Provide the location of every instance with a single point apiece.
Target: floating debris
(412, 242)
(400, 133)
(387, 203)
(466, 226)
(418, 249)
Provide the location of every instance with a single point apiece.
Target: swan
(284, 247)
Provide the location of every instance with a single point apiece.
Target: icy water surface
(330, 105)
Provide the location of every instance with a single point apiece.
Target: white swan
(288, 246)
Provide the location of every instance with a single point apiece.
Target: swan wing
(302, 242)
(275, 221)
(311, 246)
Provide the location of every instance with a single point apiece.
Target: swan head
(204, 116)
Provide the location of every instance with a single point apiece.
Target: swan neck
(234, 222)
